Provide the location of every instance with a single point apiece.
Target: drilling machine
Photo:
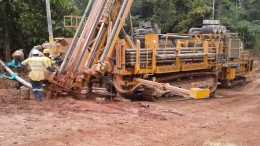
(157, 66)
(52, 46)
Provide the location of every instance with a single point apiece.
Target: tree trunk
(1, 43)
(21, 42)
(6, 30)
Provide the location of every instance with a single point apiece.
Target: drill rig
(156, 66)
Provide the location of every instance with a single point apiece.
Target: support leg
(90, 85)
(49, 94)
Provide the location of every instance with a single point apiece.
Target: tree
(242, 18)
(81, 4)
(198, 11)
(164, 13)
(25, 22)
(172, 15)
(1, 32)
(6, 42)
(180, 15)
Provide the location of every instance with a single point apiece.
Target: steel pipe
(95, 47)
(158, 59)
(48, 10)
(72, 44)
(90, 35)
(169, 49)
(163, 62)
(174, 37)
(144, 53)
(112, 35)
(175, 55)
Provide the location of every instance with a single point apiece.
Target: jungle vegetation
(23, 23)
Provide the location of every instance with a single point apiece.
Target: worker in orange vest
(18, 57)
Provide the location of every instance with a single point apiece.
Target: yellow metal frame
(209, 43)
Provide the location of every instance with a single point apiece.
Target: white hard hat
(35, 52)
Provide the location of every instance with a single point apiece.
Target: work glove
(51, 69)
(58, 62)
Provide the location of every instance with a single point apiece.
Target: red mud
(230, 120)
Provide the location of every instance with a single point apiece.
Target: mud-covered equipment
(127, 65)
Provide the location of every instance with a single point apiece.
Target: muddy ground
(232, 119)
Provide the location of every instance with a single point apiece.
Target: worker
(18, 57)
(36, 75)
(49, 62)
(46, 53)
(57, 60)
(41, 54)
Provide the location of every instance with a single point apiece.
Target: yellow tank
(198, 93)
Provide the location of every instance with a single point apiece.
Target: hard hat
(40, 54)
(45, 51)
(35, 52)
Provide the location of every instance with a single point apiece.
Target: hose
(125, 91)
(19, 79)
(158, 91)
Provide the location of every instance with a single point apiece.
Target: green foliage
(242, 18)
(165, 14)
(142, 10)
(198, 12)
(28, 21)
(171, 15)
(81, 4)
(180, 15)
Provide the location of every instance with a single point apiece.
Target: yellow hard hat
(45, 51)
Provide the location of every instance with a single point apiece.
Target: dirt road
(231, 120)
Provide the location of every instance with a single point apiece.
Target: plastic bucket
(25, 93)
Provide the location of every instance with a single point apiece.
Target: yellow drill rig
(157, 66)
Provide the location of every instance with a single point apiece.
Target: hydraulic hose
(159, 92)
(125, 91)
(19, 79)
